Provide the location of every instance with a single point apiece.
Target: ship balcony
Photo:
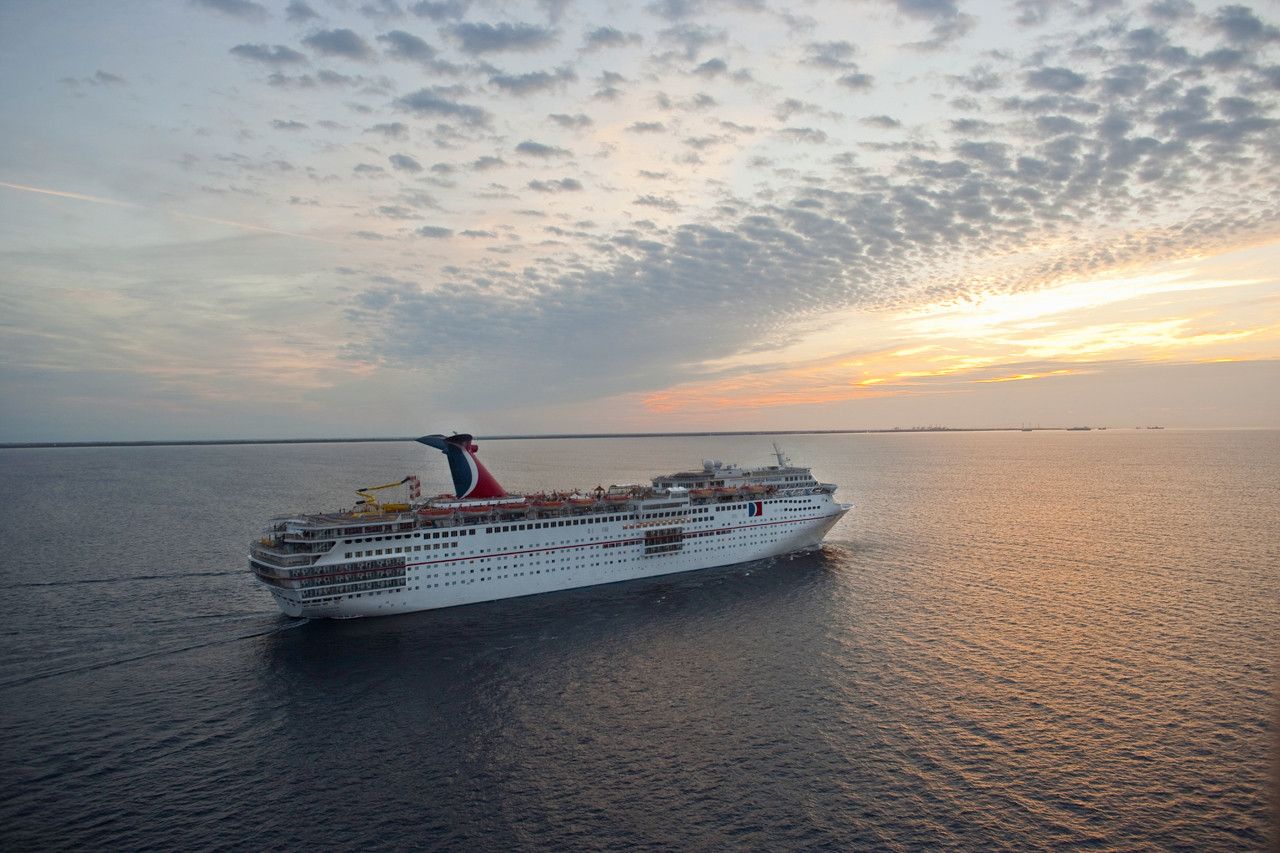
(306, 537)
(271, 556)
(285, 544)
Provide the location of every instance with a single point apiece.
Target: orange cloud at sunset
(1158, 318)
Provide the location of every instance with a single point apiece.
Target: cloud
(391, 130)
(856, 81)
(562, 185)
(608, 89)
(949, 23)
(830, 54)
(406, 46)
(405, 163)
(278, 55)
(419, 199)
(691, 39)
(445, 10)
(1169, 11)
(1242, 26)
(609, 37)
(675, 10)
(243, 9)
(1059, 125)
(574, 122)
(791, 107)
(804, 134)
(537, 149)
(327, 78)
(381, 10)
(905, 232)
(434, 102)
(670, 205)
(298, 12)
(1126, 81)
(103, 78)
(703, 142)
(534, 81)
(1107, 139)
(482, 38)
(1060, 80)
(341, 42)
(711, 68)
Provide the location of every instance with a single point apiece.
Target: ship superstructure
(482, 543)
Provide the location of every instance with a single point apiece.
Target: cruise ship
(481, 543)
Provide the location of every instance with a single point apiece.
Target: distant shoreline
(35, 445)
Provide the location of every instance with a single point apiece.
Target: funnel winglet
(470, 479)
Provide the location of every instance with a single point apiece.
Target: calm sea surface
(1015, 641)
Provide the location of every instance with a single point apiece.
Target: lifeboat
(436, 511)
(548, 502)
(581, 500)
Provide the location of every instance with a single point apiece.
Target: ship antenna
(783, 461)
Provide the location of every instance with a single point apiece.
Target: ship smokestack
(470, 479)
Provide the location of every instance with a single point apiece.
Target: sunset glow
(317, 219)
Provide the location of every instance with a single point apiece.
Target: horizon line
(199, 442)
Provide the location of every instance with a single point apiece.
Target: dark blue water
(1044, 641)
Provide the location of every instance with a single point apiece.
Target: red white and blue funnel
(470, 479)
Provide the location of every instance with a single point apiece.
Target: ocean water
(1015, 641)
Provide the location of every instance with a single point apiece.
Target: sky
(321, 218)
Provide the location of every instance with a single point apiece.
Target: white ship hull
(419, 558)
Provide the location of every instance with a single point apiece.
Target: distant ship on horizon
(483, 544)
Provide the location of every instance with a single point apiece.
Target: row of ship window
(379, 587)
(543, 525)
(501, 529)
(407, 549)
(375, 584)
(439, 534)
(539, 525)
(506, 528)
